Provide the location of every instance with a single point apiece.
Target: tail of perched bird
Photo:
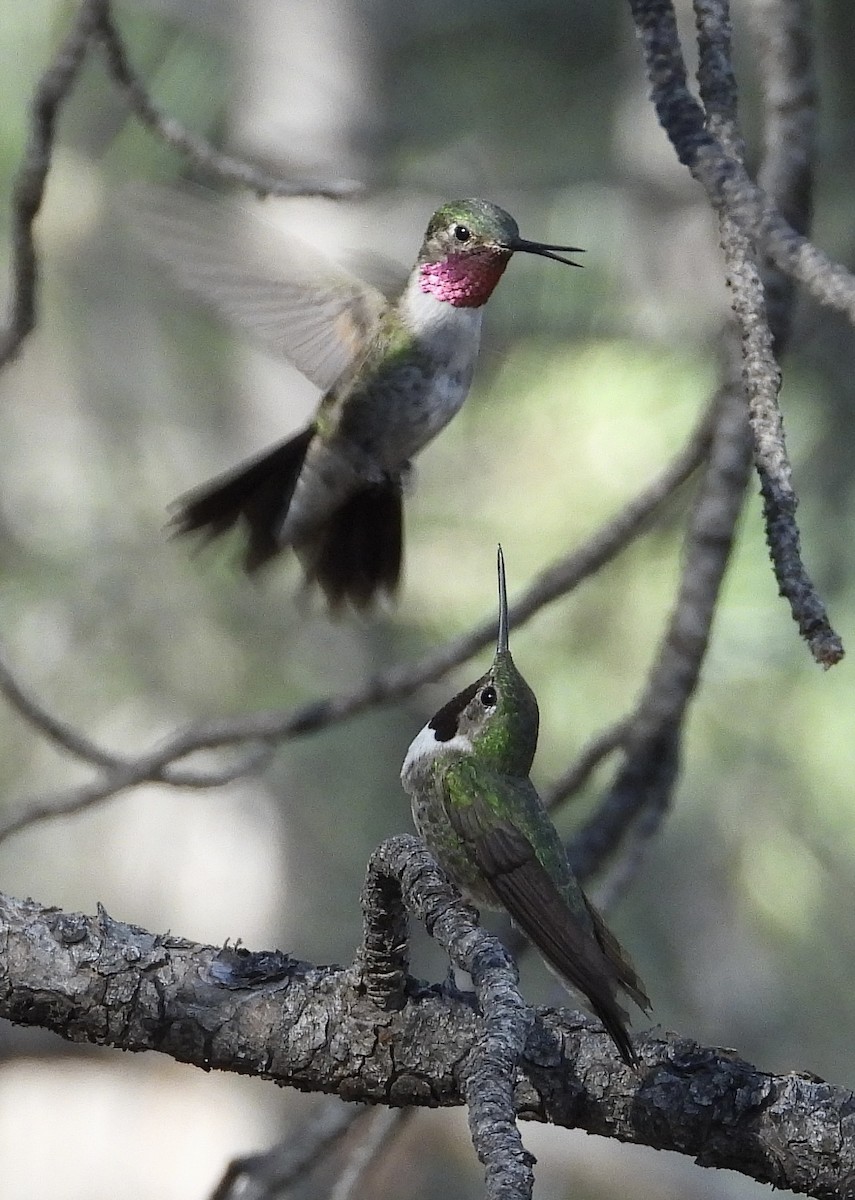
(564, 926)
(353, 554)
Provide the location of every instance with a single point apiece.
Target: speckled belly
(395, 417)
(450, 852)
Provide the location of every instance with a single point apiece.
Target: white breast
(452, 337)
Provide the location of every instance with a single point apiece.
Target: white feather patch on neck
(425, 748)
(429, 316)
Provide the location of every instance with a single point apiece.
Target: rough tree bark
(404, 1043)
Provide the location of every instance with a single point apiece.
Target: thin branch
(646, 778)
(94, 21)
(114, 984)
(67, 738)
(273, 1173)
(641, 793)
(720, 171)
(397, 683)
(760, 369)
(725, 179)
(28, 192)
(194, 148)
(781, 30)
(601, 745)
(264, 1176)
(386, 1125)
(620, 874)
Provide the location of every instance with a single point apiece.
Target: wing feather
(291, 299)
(583, 952)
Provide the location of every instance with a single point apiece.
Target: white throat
(427, 316)
(425, 750)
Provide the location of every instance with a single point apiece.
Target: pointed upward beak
(545, 251)
(502, 640)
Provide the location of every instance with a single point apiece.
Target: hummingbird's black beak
(502, 640)
(546, 251)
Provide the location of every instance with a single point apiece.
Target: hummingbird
(393, 374)
(467, 774)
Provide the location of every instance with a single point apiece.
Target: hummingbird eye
(488, 697)
(461, 232)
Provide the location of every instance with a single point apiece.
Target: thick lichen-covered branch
(99, 980)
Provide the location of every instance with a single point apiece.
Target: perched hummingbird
(393, 375)
(467, 774)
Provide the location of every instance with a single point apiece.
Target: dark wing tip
(626, 974)
(570, 946)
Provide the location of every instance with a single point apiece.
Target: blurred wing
(525, 888)
(287, 296)
(386, 275)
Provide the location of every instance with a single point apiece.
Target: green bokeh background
(741, 918)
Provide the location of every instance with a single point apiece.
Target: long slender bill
(546, 251)
(502, 641)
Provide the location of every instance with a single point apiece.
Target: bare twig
(28, 192)
(196, 149)
(264, 1176)
(782, 33)
(66, 737)
(718, 167)
(620, 873)
(94, 21)
(273, 1173)
(386, 1124)
(601, 745)
(644, 783)
(760, 370)
(724, 178)
(63, 735)
(645, 779)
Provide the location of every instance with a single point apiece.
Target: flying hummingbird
(467, 774)
(393, 374)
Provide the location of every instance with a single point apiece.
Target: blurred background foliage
(128, 394)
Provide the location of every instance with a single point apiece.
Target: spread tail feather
(358, 551)
(257, 493)
(354, 554)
